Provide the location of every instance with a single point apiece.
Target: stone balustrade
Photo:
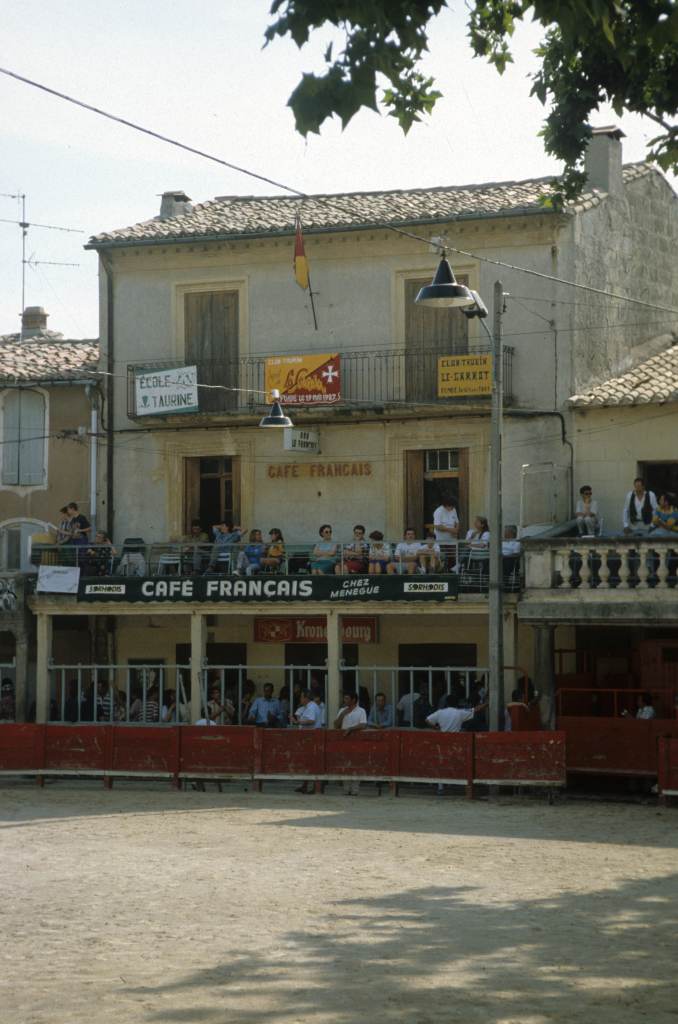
(602, 563)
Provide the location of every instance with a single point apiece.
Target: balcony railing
(602, 563)
(466, 564)
(376, 376)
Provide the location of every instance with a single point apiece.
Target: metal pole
(495, 623)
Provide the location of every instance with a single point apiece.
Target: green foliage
(624, 52)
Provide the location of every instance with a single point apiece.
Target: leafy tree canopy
(624, 52)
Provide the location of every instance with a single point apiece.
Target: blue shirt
(262, 708)
(224, 539)
(383, 717)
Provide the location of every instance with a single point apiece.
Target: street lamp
(276, 417)
(446, 291)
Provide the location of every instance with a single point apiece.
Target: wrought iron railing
(375, 376)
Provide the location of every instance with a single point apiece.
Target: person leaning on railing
(354, 558)
(406, 554)
(275, 551)
(100, 556)
(226, 538)
(324, 555)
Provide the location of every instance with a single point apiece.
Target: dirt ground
(144, 905)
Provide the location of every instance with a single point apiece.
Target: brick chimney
(173, 204)
(33, 321)
(604, 159)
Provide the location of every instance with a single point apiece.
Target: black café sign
(269, 588)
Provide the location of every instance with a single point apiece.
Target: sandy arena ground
(145, 905)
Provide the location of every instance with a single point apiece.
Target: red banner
(355, 629)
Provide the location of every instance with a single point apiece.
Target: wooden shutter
(429, 333)
(191, 492)
(211, 342)
(236, 470)
(462, 510)
(10, 438)
(32, 445)
(414, 491)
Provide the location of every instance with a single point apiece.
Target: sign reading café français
(304, 380)
(166, 392)
(461, 376)
(317, 470)
(268, 589)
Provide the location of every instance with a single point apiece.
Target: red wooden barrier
(614, 746)
(435, 756)
(21, 747)
(668, 766)
(70, 749)
(290, 752)
(216, 750)
(142, 750)
(363, 754)
(507, 757)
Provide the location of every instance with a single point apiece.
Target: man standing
(265, 711)
(351, 719)
(381, 715)
(307, 716)
(639, 507)
(451, 719)
(446, 521)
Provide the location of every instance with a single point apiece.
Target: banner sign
(304, 380)
(461, 376)
(58, 579)
(234, 589)
(166, 392)
(355, 629)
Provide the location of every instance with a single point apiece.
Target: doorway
(660, 477)
(212, 490)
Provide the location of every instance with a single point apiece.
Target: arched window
(23, 430)
(15, 543)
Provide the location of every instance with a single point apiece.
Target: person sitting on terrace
(195, 551)
(220, 710)
(381, 715)
(586, 512)
(665, 519)
(406, 555)
(275, 551)
(510, 546)
(429, 555)
(7, 703)
(151, 712)
(100, 557)
(379, 554)
(226, 538)
(479, 534)
(249, 559)
(355, 555)
(318, 697)
(639, 508)
(265, 711)
(324, 555)
(645, 709)
(446, 521)
(173, 713)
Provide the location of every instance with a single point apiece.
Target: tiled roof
(653, 381)
(46, 357)
(247, 216)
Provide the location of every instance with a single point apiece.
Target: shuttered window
(211, 344)
(429, 334)
(23, 430)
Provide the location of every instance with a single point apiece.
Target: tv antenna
(25, 225)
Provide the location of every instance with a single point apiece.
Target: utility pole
(496, 617)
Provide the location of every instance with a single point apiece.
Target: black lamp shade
(444, 289)
(276, 417)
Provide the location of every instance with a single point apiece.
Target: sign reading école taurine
(461, 376)
(166, 392)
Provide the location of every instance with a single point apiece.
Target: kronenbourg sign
(310, 379)
(166, 392)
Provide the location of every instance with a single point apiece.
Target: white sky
(197, 72)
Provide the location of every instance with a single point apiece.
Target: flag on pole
(300, 261)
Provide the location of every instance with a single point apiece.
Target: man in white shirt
(510, 546)
(639, 507)
(451, 719)
(446, 521)
(406, 558)
(351, 719)
(307, 716)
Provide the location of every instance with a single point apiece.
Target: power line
(305, 195)
(32, 223)
(148, 131)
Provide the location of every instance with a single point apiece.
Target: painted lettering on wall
(317, 470)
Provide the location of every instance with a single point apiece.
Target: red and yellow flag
(300, 261)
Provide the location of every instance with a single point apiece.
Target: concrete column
(198, 651)
(44, 655)
(333, 695)
(510, 651)
(21, 685)
(544, 674)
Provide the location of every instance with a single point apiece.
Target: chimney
(604, 159)
(33, 321)
(173, 204)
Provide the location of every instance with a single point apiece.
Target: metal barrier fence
(606, 702)
(160, 694)
(467, 562)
